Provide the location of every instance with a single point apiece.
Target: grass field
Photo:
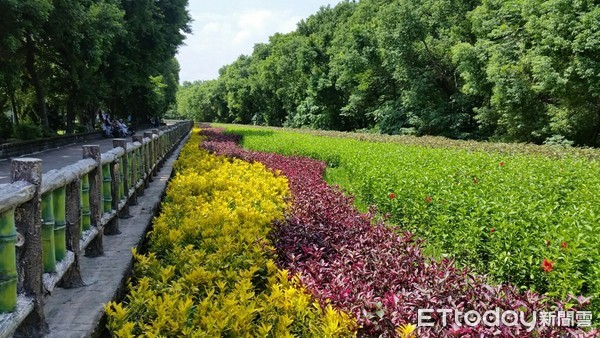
(527, 215)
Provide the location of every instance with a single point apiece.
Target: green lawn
(499, 209)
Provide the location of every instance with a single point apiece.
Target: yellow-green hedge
(209, 270)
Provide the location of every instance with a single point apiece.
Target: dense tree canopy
(512, 70)
(61, 61)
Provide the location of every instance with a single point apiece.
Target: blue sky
(223, 30)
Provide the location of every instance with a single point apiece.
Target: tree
(514, 70)
(78, 39)
(540, 63)
(153, 31)
(324, 99)
(62, 61)
(358, 68)
(418, 37)
(21, 26)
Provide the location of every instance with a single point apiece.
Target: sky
(223, 30)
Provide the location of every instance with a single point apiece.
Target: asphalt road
(60, 157)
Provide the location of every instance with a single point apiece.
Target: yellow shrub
(209, 271)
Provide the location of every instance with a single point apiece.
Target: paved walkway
(75, 313)
(60, 157)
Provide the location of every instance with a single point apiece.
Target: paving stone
(77, 312)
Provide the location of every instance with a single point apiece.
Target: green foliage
(537, 58)
(79, 37)
(27, 131)
(6, 127)
(499, 212)
(65, 60)
(145, 51)
(197, 102)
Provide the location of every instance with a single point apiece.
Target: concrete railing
(48, 221)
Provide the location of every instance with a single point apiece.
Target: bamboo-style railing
(48, 221)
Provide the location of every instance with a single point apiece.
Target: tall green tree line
(63, 61)
(510, 70)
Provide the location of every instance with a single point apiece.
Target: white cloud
(255, 19)
(257, 25)
(241, 37)
(225, 29)
(211, 28)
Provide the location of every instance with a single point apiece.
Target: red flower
(502, 164)
(428, 199)
(547, 265)
(492, 230)
(563, 245)
(392, 195)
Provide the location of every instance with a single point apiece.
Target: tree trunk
(70, 116)
(35, 80)
(596, 136)
(13, 103)
(87, 117)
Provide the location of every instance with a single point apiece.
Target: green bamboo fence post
(172, 136)
(124, 169)
(139, 164)
(165, 143)
(166, 134)
(149, 156)
(168, 139)
(143, 158)
(156, 150)
(130, 178)
(133, 168)
(48, 251)
(156, 146)
(159, 148)
(112, 227)
(121, 179)
(28, 221)
(144, 154)
(85, 204)
(140, 161)
(106, 189)
(96, 247)
(123, 162)
(153, 150)
(8, 262)
(60, 245)
(161, 145)
(72, 277)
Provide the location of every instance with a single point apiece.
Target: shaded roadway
(61, 157)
